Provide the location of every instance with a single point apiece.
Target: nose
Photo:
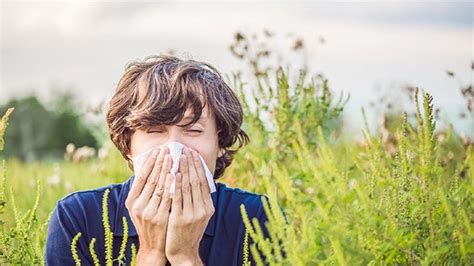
(175, 135)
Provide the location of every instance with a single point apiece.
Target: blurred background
(61, 60)
(367, 172)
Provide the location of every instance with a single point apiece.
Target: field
(401, 195)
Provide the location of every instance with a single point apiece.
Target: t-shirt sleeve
(61, 230)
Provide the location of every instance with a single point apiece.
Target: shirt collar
(122, 211)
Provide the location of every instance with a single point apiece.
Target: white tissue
(175, 152)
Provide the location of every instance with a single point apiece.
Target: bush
(364, 204)
(402, 195)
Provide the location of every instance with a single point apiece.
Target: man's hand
(148, 203)
(191, 211)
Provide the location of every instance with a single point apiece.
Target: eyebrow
(203, 118)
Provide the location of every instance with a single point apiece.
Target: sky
(370, 48)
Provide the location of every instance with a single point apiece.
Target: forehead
(205, 114)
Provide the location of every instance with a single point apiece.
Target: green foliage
(278, 106)
(74, 248)
(123, 246)
(246, 248)
(95, 259)
(3, 126)
(108, 236)
(22, 238)
(107, 231)
(134, 255)
(269, 247)
(402, 196)
(43, 133)
(346, 202)
(21, 241)
(364, 204)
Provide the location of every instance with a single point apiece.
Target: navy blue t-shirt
(221, 244)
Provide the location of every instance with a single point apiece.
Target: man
(160, 100)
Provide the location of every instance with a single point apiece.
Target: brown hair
(159, 89)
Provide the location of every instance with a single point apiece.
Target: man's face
(201, 137)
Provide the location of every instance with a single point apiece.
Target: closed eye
(159, 131)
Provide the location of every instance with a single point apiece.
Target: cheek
(140, 142)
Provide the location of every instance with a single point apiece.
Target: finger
(194, 182)
(165, 203)
(153, 178)
(177, 204)
(155, 200)
(167, 165)
(206, 191)
(159, 164)
(185, 186)
(158, 192)
(201, 173)
(141, 178)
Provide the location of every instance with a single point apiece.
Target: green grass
(406, 199)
